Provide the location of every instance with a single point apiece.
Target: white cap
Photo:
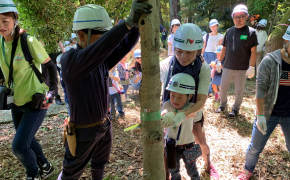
(188, 37)
(213, 22)
(219, 49)
(175, 22)
(137, 53)
(91, 16)
(7, 6)
(287, 34)
(240, 8)
(181, 83)
(263, 23)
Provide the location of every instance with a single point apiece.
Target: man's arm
(260, 106)
(253, 56)
(200, 101)
(223, 53)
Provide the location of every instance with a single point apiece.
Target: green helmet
(181, 83)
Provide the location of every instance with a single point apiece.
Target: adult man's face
(240, 19)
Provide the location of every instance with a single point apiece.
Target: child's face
(138, 59)
(178, 100)
(218, 55)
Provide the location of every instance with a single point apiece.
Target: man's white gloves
(219, 66)
(250, 72)
(167, 119)
(262, 124)
(179, 117)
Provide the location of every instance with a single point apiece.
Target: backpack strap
(206, 39)
(28, 57)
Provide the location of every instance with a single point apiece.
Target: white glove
(262, 124)
(250, 72)
(179, 117)
(167, 119)
(219, 66)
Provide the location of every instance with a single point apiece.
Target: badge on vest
(244, 37)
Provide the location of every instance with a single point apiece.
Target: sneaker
(34, 178)
(46, 170)
(220, 109)
(128, 99)
(58, 101)
(216, 97)
(234, 113)
(245, 175)
(210, 94)
(122, 116)
(212, 171)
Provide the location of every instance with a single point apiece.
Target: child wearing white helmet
(187, 44)
(217, 74)
(175, 23)
(179, 130)
(137, 70)
(211, 42)
(272, 101)
(262, 38)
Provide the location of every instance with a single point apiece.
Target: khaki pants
(239, 77)
(258, 59)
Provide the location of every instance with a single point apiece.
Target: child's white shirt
(186, 135)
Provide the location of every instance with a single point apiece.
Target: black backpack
(28, 57)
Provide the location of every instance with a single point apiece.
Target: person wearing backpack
(85, 71)
(211, 42)
(28, 95)
(187, 44)
(239, 53)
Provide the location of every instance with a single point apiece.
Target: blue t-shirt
(282, 106)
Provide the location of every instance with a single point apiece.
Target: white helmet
(188, 37)
(219, 49)
(204, 33)
(73, 35)
(213, 22)
(181, 83)
(287, 34)
(58, 60)
(263, 23)
(91, 16)
(175, 22)
(137, 53)
(7, 6)
(240, 8)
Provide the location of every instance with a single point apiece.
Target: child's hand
(179, 117)
(167, 119)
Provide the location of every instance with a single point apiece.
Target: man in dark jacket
(85, 73)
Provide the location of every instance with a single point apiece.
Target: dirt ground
(227, 138)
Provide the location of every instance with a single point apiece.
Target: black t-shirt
(53, 56)
(238, 43)
(282, 106)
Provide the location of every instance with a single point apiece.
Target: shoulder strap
(178, 133)
(14, 45)
(28, 57)
(206, 39)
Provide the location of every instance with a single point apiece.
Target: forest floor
(228, 139)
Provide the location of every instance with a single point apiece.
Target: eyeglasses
(239, 17)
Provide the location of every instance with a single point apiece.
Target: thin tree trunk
(275, 40)
(273, 16)
(160, 16)
(152, 134)
(174, 10)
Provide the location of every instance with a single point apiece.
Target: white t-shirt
(171, 39)
(186, 135)
(213, 42)
(164, 67)
(262, 38)
(113, 90)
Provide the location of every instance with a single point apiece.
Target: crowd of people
(96, 75)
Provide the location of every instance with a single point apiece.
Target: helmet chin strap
(15, 24)
(89, 37)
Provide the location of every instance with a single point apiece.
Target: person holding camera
(179, 137)
(29, 98)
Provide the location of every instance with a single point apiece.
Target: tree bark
(275, 40)
(273, 16)
(174, 10)
(152, 133)
(160, 16)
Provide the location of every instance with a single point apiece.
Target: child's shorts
(216, 80)
(126, 82)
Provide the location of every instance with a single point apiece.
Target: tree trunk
(152, 133)
(273, 16)
(275, 40)
(160, 16)
(174, 10)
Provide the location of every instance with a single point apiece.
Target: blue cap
(137, 53)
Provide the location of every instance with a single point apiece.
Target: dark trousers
(190, 167)
(116, 102)
(24, 146)
(93, 144)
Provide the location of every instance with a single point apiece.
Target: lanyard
(178, 129)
